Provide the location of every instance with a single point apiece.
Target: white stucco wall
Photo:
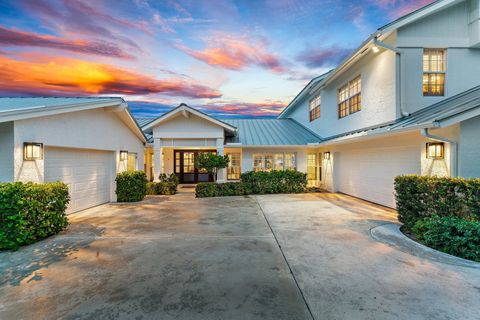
(469, 148)
(6, 151)
(93, 129)
(182, 127)
(377, 72)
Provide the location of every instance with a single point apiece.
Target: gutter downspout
(454, 151)
(398, 68)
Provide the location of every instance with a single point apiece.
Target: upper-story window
(434, 72)
(350, 98)
(314, 108)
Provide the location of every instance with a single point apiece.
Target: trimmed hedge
(452, 235)
(131, 186)
(289, 181)
(275, 181)
(420, 197)
(161, 188)
(30, 212)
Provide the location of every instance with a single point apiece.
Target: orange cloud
(235, 54)
(77, 77)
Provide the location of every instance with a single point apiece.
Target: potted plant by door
(211, 163)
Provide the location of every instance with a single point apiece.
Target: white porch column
(222, 173)
(157, 155)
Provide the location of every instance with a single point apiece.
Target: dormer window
(434, 72)
(350, 98)
(314, 108)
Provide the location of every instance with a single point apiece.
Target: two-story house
(407, 101)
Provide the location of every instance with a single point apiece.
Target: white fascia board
(233, 145)
(185, 108)
(465, 115)
(274, 146)
(43, 111)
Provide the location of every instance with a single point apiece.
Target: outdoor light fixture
(326, 155)
(435, 150)
(123, 155)
(32, 151)
(375, 49)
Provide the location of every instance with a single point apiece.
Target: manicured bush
(256, 183)
(170, 178)
(161, 188)
(264, 182)
(419, 197)
(452, 235)
(30, 212)
(212, 189)
(131, 186)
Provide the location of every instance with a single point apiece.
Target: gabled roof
(460, 107)
(12, 109)
(144, 121)
(271, 132)
(186, 110)
(380, 34)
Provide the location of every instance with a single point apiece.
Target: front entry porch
(184, 166)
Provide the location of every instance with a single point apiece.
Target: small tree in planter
(211, 163)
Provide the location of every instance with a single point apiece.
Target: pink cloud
(11, 37)
(398, 8)
(324, 57)
(235, 54)
(249, 109)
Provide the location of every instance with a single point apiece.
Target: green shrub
(30, 212)
(212, 189)
(419, 197)
(161, 188)
(452, 235)
(256, 183)
(131, 186)
(263, 182)
(170, 178)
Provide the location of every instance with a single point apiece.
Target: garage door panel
(86, 172)
(370, 173)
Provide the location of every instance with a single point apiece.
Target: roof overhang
(185, 111)
(114, 105)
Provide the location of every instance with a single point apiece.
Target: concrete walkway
(177, 257)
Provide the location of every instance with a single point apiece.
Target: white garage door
(86, 172)
(369, 173)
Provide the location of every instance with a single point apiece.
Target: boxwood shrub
(289, 181)
(419, 197)
(452, 235)
(30, 212)
(161, 188)
(131, 186)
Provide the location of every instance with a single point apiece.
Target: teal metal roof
(23, 104)
(144, 121)
(271, 132)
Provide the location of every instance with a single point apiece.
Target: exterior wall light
(435, 150)
(375, 49)
(32, 151)
(123, 155)
(326, 155)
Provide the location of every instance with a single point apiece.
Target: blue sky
(228, 58)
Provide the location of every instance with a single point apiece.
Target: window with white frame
(434, 72)
(234, 166)
(274, 161)
(350, 98)
(314, 108)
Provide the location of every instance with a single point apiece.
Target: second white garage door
(369, 173)
(86, 172)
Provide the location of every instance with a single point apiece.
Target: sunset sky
(247, 58)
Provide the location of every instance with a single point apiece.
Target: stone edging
(390, 234)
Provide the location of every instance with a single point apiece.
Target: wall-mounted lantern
(32, 151)
(123, 155)
(435, 150)
(326, 155)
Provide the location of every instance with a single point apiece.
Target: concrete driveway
(184, 258)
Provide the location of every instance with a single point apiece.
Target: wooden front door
(185, 167)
